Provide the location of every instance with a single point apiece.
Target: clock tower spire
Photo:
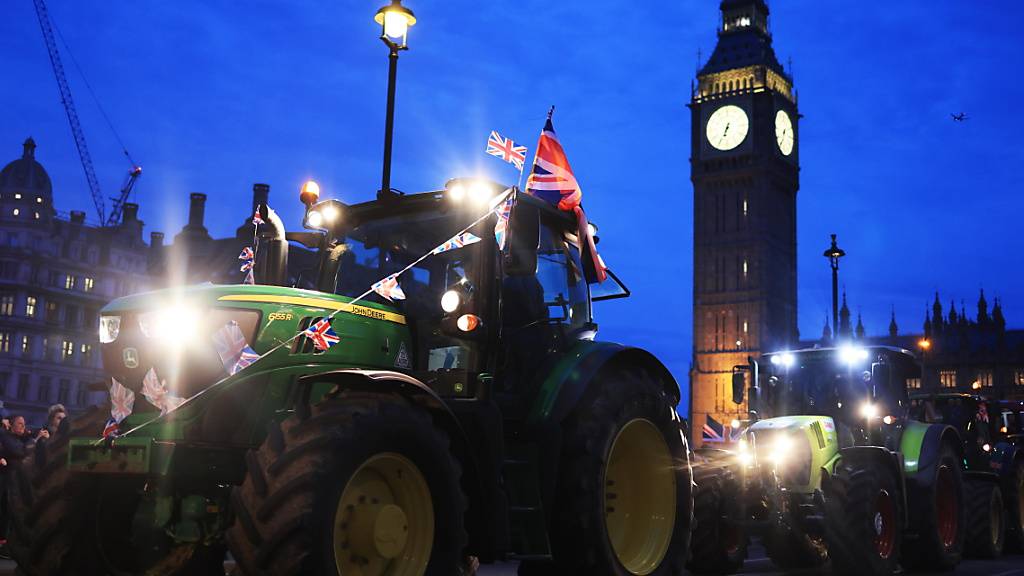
(744, 165)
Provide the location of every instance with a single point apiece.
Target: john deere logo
(131, 358)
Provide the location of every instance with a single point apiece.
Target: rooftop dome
(26, 175)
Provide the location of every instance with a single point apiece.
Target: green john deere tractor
(476, 417)
(831, 466)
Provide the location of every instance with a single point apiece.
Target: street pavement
(1012, 565)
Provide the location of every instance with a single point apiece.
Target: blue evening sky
(213, 96)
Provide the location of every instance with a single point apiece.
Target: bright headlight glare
(781, 449)
(868, 411)
(173, 325)
(479, 192)
(735, 424)
(110, 327)
(315, 219)
(450, 301)
(468, 322)
(986, 447)
(784, 359)
(852, 354)
(330, 213)
(457, 192)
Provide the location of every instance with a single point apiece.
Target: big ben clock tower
(745, 170)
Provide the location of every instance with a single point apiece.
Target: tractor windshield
(826, 384)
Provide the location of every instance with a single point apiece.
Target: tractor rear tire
(48, 510)
(360, 483)
(937, 517)
(1015, 507)
(862, 511)
(790, 548)
(719, 545)
(623, 501)
(986, 519)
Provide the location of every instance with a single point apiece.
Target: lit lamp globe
(395, 21)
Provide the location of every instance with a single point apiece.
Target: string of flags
(321, 334)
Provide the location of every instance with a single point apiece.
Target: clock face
(727, 127)
(784, 136)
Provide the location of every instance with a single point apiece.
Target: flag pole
(551, 111)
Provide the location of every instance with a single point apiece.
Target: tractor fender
(565, 383)
(421, 396)
(935, 437)
(884, 458)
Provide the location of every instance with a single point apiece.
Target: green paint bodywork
(911, 443)
(566, 368)
(367, 342)
(818, 431)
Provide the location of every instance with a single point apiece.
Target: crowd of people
(16, 438)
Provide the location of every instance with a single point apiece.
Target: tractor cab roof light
(852, 354)
(784, 359)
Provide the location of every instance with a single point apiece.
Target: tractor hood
(188, 336)
(796, 446)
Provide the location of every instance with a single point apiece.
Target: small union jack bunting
(389, 288)
(256, 218)
(503, 212)
(232, 348)
(111, 428)
(122, 401)
(321, 334)
(464, 239)
(506, 149)
(157, 394)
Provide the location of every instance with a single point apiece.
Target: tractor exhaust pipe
(272, 262)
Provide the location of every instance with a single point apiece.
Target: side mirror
(739, 383)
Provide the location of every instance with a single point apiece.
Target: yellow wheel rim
(640, 496)
(384, 524)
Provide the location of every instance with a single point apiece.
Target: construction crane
(76, 128)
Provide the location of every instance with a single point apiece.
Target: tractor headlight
(785, 359)
(868, 411)
(744, 454)
(450, 301)
(853, 354)
(110, 327)
(781, 449)
(175, 325)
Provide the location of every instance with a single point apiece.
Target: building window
(913, 383)
(9, 269)
(30, 306)
(7, 305)
(39, 199)
(16, 212)
(26, 345)
(64, 391)
(67, 349)
(69, 282)
(4, 377)
(5, 342)
(1018, 377)
(70, 316)
(947, 378)
(17, 196)
(88, 284)
(984, 378)
(52, 312)
(43, 390)
(23, 387)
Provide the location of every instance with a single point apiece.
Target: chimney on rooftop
(156, 239)
(129, 212)
(260, 194)
(196, 209)
(77, 217)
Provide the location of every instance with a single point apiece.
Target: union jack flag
(232, 348)
(457, 241)
(321, 334)
(110, 428)
(122, 401)
(256, 218)
(157, 394)
(552, 178)
(501, 227)
(247, 254)
(713, 430)
(249, 278)
(506, 149)
(389, 288)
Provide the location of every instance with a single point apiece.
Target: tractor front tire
(359, 484)
(719, 545)
(937, 517)
(48, 510)
(623, 503)
(986, 519)
(862, 511)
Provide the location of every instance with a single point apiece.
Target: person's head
(56, 414)
(18, 425)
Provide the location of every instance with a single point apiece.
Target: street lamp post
(395, 21)
(834, 253)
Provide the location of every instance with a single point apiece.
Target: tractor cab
(857, 387)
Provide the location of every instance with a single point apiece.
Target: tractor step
(527, 521)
